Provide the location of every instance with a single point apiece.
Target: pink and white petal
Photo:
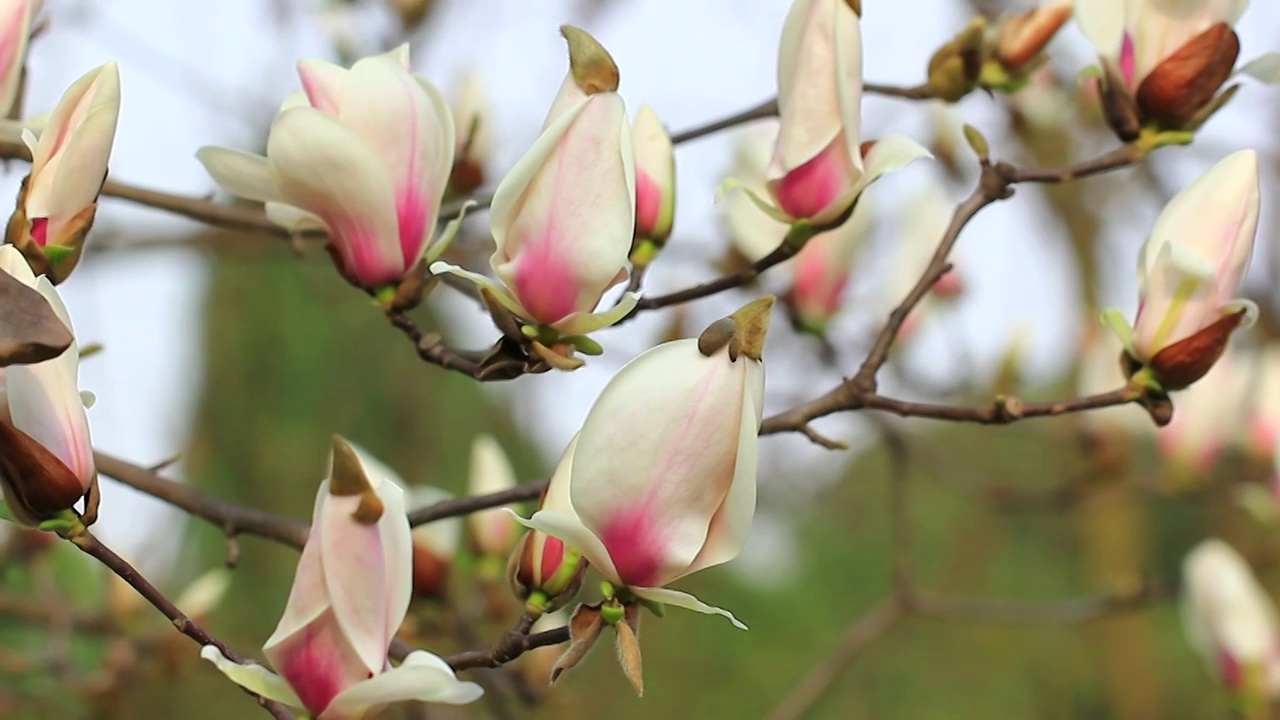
(499, 290)
(392, 111)
(323, 167)
(582, 323)
(83, 166)
(667, 596)
(397, 555)
(1103, 22)
(1265, 68)
(351, 556)
(422, 676)
(568, 528)
(308, 597)
(16, 28)
(651, 499)
(252, 677)
(732, 522)
(71, 108)
(322, 84)
(579, 208)
(400, 54)
(240, 173)
(812, 103)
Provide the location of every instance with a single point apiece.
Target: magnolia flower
(59, 196)
(363, 154)
(473, 121)
(1230, 620)
(1188, 270)
(821, 270)
(818, 168)
(46, 459)
(1208, 420)
(435, 544)
(1164, 59)
(15, 30)
(655, 177)
(674, 492)
(349, 597)
(564, 217)
(491, 531)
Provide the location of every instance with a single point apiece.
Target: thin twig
(467, 505)
(1053, 612)
(93, 547)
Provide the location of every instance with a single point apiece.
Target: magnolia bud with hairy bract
(818, 171)
(655, 177)
(544, 572)
(348, 600)
(59, 197)
(1190, 267)
(1021, 37)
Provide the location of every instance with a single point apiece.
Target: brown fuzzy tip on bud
(855, 5)
(752, 325)
(593, 68)
(1176, 89)
(37, 485)
(348, 479)
(1024, 35)
(584, 629)
(1187, 360)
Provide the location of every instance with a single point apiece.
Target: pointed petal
(484, 281)
(651, 498)
(292, 218)
(732, 522)
(892, 152)
(1264, 67)
(581, 323)
(322, 84)
(422, 676)
(308, 598)
(323, 167)
(356, 578)
(252, 677)
(667, 596)
(407, 123)
(568, 206)
(240, 173)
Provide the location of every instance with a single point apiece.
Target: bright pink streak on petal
(810, 188)
(648, 203)
(411, 214)
(40, 230)
(544, 281)
(633, 543)
(552, 556)
(358, 245)
(312, 664)
(1128, 60)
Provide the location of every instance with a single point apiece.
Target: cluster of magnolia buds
(644, 509)
(46, 460)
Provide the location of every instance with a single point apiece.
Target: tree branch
(91, 546)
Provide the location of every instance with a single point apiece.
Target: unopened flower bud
(954, 68)
(1176, 89)
(655, 178)
(435, 545)
(591, 66)
(544, 572)
(1023, 36)
(472, 121)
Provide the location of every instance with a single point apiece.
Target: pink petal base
(314, 665)
(634, 547)
(544, 282)
(648, 204)
(810, 188)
